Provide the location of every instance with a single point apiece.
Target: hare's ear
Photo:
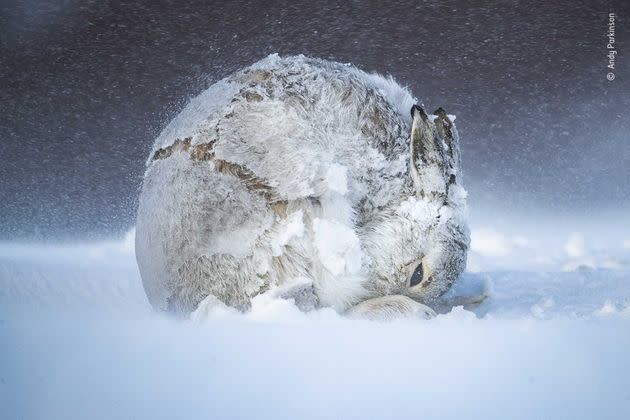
(448, 133)
(434, 164)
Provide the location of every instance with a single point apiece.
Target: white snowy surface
(79, 340)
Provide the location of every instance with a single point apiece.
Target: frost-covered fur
(308, 172)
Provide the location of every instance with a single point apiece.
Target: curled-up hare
(309, 177)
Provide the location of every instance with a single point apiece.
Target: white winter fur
(304, 174)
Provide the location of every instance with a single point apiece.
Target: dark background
(86, 86)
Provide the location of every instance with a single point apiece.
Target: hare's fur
(302, 170)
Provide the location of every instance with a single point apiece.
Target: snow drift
(79, 340)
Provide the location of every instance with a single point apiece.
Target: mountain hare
(307, 177)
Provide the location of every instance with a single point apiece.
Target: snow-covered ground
(79, 340)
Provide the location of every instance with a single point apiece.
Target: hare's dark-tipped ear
(448, 133)
(416, 108)
(434, 153)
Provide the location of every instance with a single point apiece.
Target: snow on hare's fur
(308, 178)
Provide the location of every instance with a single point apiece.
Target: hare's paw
(388, 308)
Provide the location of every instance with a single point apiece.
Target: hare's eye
(417, 276)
